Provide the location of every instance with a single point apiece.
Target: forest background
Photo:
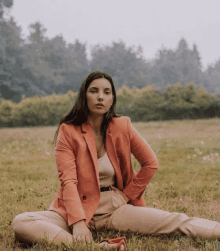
(38, 74)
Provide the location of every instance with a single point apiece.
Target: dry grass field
(187, 180)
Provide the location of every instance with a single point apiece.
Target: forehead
(100, 83)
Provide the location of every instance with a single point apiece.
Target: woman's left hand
(122, 194)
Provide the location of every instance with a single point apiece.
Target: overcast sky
(149, 23)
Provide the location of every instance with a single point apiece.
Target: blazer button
(84, 197)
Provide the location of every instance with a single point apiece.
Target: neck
(95, 122)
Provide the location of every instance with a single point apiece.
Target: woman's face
(99, 91)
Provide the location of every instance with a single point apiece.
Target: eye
(92, 91)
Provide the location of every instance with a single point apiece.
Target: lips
(100, 105)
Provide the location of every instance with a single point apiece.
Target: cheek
(89, 99)
(110, 101)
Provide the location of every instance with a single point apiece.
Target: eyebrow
(98, 88)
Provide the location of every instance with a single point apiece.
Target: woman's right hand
(81, 232)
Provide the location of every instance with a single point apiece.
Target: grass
(187, 180)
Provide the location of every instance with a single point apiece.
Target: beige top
(106, 171)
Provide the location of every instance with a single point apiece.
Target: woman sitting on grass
(98, 185)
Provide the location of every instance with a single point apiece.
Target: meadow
(187, 181)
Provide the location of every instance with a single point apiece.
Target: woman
(98, 185)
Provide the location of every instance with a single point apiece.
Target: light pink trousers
(113, 213)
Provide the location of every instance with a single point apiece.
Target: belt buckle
(106, 189)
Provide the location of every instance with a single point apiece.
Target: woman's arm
(147, 159)
(66, 165)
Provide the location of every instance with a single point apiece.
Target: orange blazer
(76, 158)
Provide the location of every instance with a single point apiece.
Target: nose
(100, 96)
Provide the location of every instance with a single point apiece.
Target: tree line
(39, 65)
(144, 104)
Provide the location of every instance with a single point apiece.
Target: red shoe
(119, 241)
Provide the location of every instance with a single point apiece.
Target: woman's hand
(81, 232)
(122, 194)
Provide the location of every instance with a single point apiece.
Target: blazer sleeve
(147, 159)
(66, 165)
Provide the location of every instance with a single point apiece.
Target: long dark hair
(78, 114)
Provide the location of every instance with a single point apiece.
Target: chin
(98, 113)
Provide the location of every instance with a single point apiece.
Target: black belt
(104, 189)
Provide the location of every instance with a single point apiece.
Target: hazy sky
(149, 23)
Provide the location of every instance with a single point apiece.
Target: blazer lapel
(110, 148)
(113, 157)
(90, 140)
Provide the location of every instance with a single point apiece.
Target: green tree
(188, 64)
(34, 59)
(77, 65)
(11, 58)
(67, 62)
(125, 65)
(164, 69)
(4, 5)
(181, 65)
(212, 75)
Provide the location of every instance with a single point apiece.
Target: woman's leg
(29, 227)
(154, 221)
